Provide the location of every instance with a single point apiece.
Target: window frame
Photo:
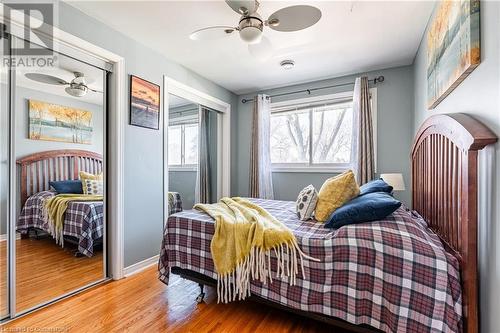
(324, 167)
(183, 122)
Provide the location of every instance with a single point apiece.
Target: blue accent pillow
(377, 185)
(67, 186)
(364, 208)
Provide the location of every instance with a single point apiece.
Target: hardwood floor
(45, 271)
(3, 279)
(141, 303)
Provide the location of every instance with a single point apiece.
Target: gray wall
(395, 105)
(183, 182)
(143, 147)
(478, 95)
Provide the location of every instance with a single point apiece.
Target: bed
(83, 221)
(414, 271)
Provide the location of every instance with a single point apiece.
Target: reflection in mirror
(192, 154)
(4, 185)
(59, 145)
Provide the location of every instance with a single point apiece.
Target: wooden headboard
(40, 168)
(444, 191)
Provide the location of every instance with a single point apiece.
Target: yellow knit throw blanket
(55, 208)
(245, 234)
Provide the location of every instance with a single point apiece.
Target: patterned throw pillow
(334, 193)
(93, 187)
(85, 175)
(306, 203)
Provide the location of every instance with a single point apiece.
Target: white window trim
(179, 168)
(333, 167)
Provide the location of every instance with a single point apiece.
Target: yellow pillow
(334, 193)
(85, 175)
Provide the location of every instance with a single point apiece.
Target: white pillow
(93, 187)
(306, 203)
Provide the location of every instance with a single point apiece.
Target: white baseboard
(140, 266)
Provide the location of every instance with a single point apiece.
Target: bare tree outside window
(312, 136)
(290, 137)
(183, 145)
(175, 145)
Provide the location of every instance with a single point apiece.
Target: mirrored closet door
(4, 183)
(192, 154)
(57, 158)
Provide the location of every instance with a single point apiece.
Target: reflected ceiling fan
(251, 25)
(78, 87)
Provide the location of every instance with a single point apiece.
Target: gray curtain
(203, 181)
(261, 182)
(364, 161)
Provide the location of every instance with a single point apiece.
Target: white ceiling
(351, 37)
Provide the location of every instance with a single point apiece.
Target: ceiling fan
(78, 87)
(251, 25)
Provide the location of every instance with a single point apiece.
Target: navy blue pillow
(67, 186)
(364, 208)
(378, 185)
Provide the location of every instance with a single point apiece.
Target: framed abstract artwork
(144, 103)
(53, 122)
(453, 47)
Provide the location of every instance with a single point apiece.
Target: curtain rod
(308, 91)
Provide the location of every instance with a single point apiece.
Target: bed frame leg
(201, 296)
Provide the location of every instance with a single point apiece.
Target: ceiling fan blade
(294, 18)
(243, 7)
(212, 33)
(262, 51)
(44, 78)
(94, 90)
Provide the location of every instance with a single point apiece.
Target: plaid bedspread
(83, 220)
(393, 274)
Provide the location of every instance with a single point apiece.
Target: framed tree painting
(144, 103)
(453, 47)
(54, 122)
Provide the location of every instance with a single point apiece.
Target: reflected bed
(83, 221)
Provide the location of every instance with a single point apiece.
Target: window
(313, 134)
(183, 145)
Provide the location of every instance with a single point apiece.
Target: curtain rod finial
(381, 78)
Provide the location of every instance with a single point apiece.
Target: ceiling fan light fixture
(250, 29)
(251, 35)
(76, 90)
